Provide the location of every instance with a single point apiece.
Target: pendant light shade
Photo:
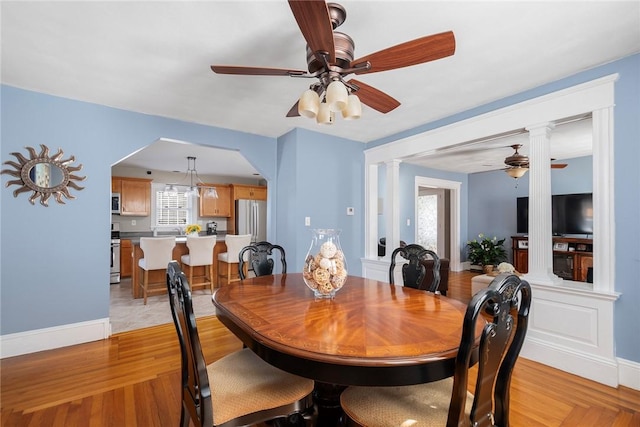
(308, 104)
(516, 172)
(325, 115)
(353, 110)
(337, 96)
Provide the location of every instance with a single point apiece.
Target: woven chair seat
(421, 405)
(238, 377)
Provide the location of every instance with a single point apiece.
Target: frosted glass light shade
(308, 104)
(193, 192)
(337, 96)
(211, 193)
(517, 172)
(325, 115)
(353, 110)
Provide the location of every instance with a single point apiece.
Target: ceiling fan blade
(418, 51)
(293, 112)
(558, 165)
(374, 98)
(314, 21)
(255, 71)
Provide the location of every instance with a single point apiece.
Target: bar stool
(200, 254)
(228, 261)
(158, 253)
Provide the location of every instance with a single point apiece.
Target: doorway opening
(433, 224)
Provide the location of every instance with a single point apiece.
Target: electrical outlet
(408, 222)
(133, 222)
(307, 221)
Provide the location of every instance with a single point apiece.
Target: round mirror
(44, 175)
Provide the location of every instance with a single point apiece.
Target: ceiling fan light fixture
(516, 172)
(325, 115)
(353, 110)
(337, 96)
(309, 104)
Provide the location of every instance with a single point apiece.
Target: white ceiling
(154, 57)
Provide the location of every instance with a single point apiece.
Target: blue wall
(626, 186)
(53, 259)
(495, 210)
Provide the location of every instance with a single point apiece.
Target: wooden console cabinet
(572, 256)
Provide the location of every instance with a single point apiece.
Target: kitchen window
(172, 209)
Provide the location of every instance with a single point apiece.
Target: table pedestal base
(327, 399)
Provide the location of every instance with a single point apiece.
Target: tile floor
(126, 313)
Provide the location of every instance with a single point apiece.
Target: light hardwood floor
(132, 379)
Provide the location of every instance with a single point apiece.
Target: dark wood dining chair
(237, 390)
(414, 271)
(504, 307)
(259, 258)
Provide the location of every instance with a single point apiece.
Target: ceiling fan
(518, 164)
(330, 59)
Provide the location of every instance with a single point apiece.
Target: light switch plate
(350, 211)
(307, 221)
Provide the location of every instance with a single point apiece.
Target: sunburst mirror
(43, 175)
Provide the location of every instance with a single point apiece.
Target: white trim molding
(571, 325)
(571, 329)
(629, 374)
(54, 337)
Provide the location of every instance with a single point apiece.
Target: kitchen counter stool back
(157, 252)
(228, 261)
(200, 254)
(239, 389)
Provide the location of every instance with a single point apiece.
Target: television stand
(572, 256)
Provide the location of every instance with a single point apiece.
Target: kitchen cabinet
(572, 256)
(126, 258)
(135, 195)
(220, 207)
(252, 192)
(243, 192)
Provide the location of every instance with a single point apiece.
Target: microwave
(115, 203)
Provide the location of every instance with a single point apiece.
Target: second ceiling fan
(330, 59)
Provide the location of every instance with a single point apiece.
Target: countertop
(135, 236)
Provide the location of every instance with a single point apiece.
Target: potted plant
(486, 252)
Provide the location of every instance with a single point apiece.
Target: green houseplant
(486, 252)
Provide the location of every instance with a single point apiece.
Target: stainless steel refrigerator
(251, 218)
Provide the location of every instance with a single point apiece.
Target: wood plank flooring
(132, 379)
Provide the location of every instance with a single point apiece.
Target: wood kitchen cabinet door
(220, 207)
(249, 192)
(135, 197)
(126, 258)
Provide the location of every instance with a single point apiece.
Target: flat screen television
(570, 214)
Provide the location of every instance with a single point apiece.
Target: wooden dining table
(371, 333)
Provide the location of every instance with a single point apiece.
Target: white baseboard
(629, 373)
(599, 369)
(55, 337)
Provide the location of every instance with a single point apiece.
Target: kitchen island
(157, 279)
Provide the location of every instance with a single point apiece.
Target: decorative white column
(392, 206)
(540, 222)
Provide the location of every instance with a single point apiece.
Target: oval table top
(371, 333)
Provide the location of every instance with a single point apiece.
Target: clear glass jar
(325, 268)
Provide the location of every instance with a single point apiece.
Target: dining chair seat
(503, 308)
(240, 389)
